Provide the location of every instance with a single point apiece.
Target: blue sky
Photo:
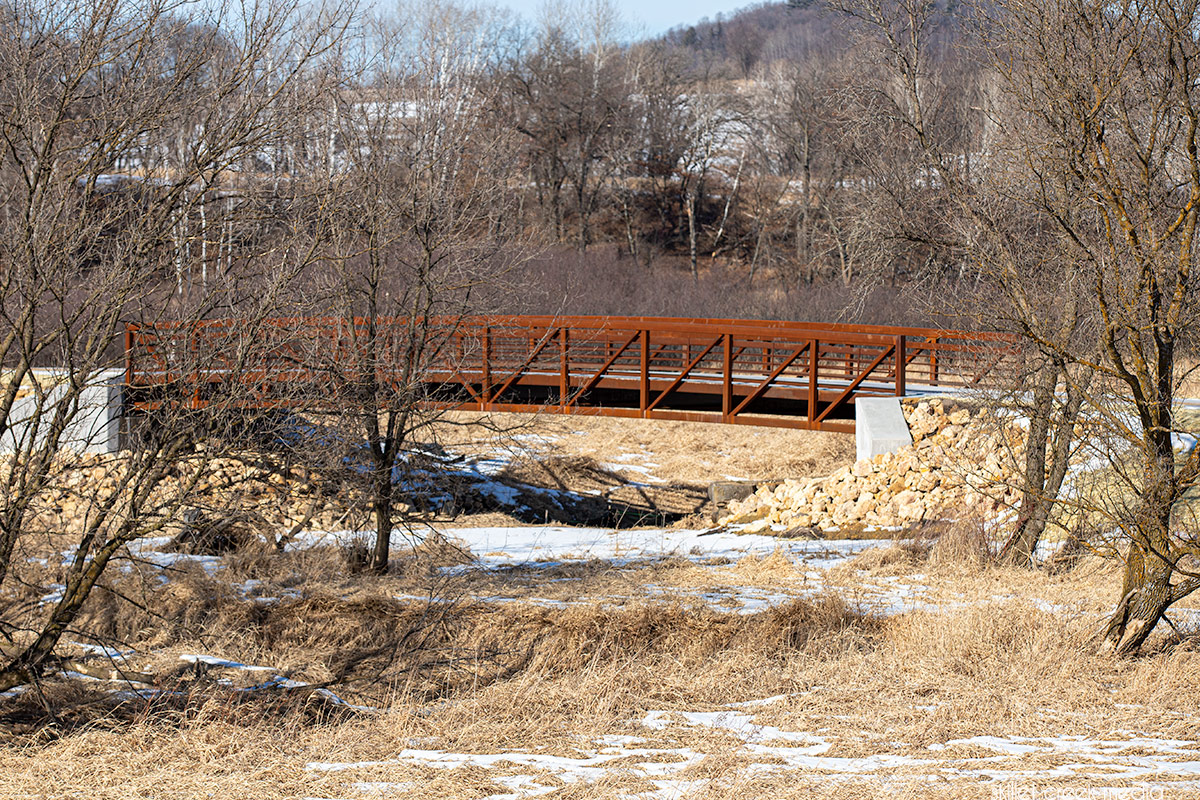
(652, 16)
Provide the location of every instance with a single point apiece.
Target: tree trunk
(29, 663)
(381, 508)
(754, 259)
(1145, 595)
(1146, 590)
(737, 180)
(690, 206)
(1035, 505)
(627, 218)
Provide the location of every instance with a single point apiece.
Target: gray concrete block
(93, 424)
(879, 426)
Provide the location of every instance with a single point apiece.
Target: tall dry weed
(576, 638)
(963, 544)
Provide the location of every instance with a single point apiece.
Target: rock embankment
(961, 464)
(273, 496)
(264, 496)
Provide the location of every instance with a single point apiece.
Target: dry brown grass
(517, 676)
(914, 682)
(546, 660)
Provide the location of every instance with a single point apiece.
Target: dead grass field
(604, 692)
(914, 670)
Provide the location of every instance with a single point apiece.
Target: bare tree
(987, 259)
(569, 96)
(1081, 218)
(1112, 107)
(113, 134)
(420, 225)
(648, 145)
(802, 112)
(716, 125)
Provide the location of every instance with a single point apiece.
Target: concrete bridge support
(879, 426)
(95, 425)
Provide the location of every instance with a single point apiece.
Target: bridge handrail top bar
(673, 323)
(799, 331)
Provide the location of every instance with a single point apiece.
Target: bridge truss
(784, 374)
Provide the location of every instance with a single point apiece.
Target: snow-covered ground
(1138, 763)
(497, 547)
(532, 549)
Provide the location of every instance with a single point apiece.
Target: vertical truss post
(564, 376)
(814, 358)
(644, 377)
(128, 355)
(933, 360)
(485, 388)
(900, 365)
(727, 385)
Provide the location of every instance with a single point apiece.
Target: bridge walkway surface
(784, 374)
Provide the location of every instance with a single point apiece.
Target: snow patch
(56, 594)
(507, 546)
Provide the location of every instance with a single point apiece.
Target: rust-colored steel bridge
(783, 374)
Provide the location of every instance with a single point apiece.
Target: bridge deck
(787, 374)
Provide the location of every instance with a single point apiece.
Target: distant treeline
(764, 145)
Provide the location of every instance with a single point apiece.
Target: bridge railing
(735, 371)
